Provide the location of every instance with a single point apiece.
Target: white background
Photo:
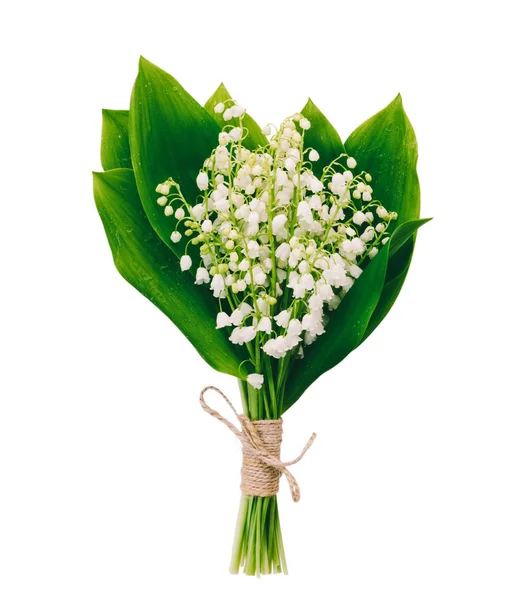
(113, 482)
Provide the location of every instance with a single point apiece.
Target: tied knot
(261, 446)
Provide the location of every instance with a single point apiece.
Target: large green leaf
(321, 136)
(115, 149)
(386, 147)
(146, 263)
(344, 331)
(170, 136)
(255, 137)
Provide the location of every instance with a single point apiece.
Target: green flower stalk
(276, 251)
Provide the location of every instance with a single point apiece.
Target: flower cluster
(278, 246)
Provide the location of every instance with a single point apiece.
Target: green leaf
(255, 137)
(321, 136)
(385, 146)
(403, 233)
(344, 331)
(147, 264)
(171, 135)
(115, 149)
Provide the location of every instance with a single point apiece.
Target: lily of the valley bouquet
(275, 250)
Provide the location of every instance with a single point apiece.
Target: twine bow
(260, 443)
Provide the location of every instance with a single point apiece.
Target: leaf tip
(309, 105)
(143, 62)
(97, 180)
(144, 66)
(97, 176)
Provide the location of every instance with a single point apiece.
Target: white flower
(316, 303)
(267, 130)
(290, 164)
(198, 211)
(355, 271)
(207, 226)
(265, 325)
(351, 162)
(382, 212)
(373, 252)
(278, 226)
(162, 201)
(244, 265)
(338, 184)
(257, 274)
(324, 290)
(282, 318)
(176, 236)
(277, 348)
(224, 138)
(313, 155)
(247, 334)
(228, 114)
(235, 134)
(202, 276)
(283, 251)
(242, 335)
(359, 218)
(168, 211)
(237, 111)
(300, 284)
(304, 124)
(163, 189)
(368, 234)
(202, 181)
(253, 249)
(185, 262)
(238, 314)
(312, 322)
(219, 108)
(179, 213)
(217, 285)
(255, 380)
(358, 246)
(223, 320)
(294, 327)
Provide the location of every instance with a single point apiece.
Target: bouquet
(275, 250)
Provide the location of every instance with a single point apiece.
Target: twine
(261, 445)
